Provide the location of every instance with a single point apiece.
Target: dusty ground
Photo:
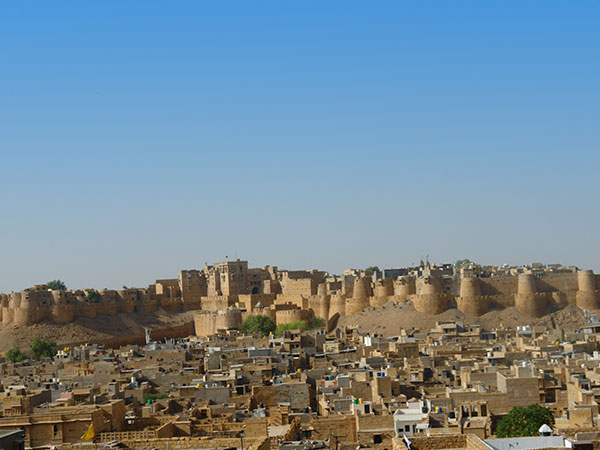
(90, 330)
(390, 318)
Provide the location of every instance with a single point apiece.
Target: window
(377, 439)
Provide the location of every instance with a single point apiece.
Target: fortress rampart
(384, 291)
(471, 301)
(208, 323)
(587, 296)
(337, 305)
(533, 294)
(291, 315)
(528, 300)
(430, 298)
(320, 305)
(39, 303)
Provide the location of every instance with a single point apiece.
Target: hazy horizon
(142, 138)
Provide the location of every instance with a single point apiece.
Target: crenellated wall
(40, 303)
(291, 315)
(533, 294)
(208, 323)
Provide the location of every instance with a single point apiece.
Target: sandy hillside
(90, 330)
(390, 318)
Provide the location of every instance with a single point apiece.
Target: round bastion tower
(208, 323)
(228, 319)
(62, 310)
(470, 301)
(337, 305)
(405, 287)
(33, 309)
(528, 300)
(429, 298)
(360, 296)
(587, 296)
(384, 289)
(320, 303)
(3, 304)
(18, 310)
(324, 301)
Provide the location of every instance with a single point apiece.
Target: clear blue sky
(139, 138)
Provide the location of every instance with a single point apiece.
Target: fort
(225, 293)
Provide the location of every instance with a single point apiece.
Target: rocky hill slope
(390, 318)
(113, 330)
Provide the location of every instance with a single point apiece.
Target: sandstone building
(290, 295)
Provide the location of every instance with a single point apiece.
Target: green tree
(302, 325)
(16, 355)
(317, 322)
(57, 285)
(258, 324)
(524, 421)
(371, 270)
(463, 262)
(43, 348)
(295, 325)
(92, 295)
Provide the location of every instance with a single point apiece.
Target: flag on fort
(89, 434)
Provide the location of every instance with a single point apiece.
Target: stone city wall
(532, 294)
